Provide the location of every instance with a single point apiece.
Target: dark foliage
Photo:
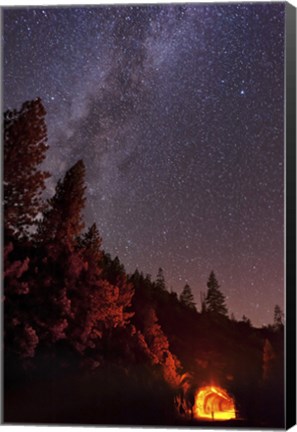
(24, 142)
(215, 299)
(62, 221)
(187, 298)
(160, 281)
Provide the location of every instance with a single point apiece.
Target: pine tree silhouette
(187, 298)
(25, 137)
(62, 222)
(160, 281)
(215, 299)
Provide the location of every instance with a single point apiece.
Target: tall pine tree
(25, 137)
(58, 260)
(215, 299)
(278, 318)
(160, 281)
(187, 298)
(62, 222)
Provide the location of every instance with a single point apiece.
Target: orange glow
(214, 403)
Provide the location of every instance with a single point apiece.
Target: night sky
(178, 114)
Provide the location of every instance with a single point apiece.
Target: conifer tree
(278, 318)
(58, 262)
(25, 137)
(100, 297)
(62, 222)
(160, 281)
(90, 243)
(246, 320)
(215, 299)
(158, 345)
(232, 317)
(113, 268)
(187, 298)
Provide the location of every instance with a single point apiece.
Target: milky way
(178, 114)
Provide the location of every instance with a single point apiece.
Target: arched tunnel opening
(214, 403)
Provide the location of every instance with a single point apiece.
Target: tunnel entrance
(213, 403)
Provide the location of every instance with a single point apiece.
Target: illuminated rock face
(214, 403)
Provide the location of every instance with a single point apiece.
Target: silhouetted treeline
(85, 342)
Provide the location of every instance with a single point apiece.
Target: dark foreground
(100, 398)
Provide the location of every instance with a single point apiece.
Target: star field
(178, 114)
